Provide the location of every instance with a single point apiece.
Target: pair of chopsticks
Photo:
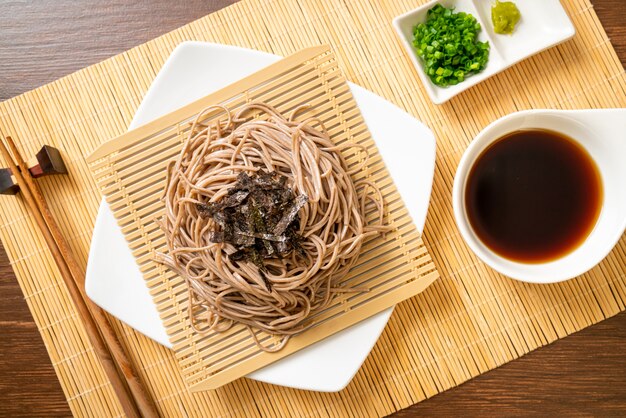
(125, 381)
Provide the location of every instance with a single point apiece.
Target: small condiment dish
(602, 133)
(543, 24)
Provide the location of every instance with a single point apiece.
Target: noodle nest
(282, 299)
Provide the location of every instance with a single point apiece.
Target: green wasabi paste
(504, 16)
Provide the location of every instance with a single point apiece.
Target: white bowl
(603, 134)
(543, 24)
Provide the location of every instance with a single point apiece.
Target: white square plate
(543, 24)
(194, 70)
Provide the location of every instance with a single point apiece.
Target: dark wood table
(41, 41)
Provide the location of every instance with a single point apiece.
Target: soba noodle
(332, 222)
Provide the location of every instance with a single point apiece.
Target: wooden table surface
(41, 41)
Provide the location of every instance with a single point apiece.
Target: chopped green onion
(448, 45)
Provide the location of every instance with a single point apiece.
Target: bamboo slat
(468, 322)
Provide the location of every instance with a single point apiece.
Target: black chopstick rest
(49, 162)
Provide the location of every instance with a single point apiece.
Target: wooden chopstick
(125, 381)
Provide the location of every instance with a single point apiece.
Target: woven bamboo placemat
(470, 321)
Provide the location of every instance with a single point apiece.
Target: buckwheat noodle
(223, 292)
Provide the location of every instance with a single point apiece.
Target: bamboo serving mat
(131, 172)
(470, 321)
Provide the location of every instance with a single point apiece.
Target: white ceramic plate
(543, 24)
(192, 71)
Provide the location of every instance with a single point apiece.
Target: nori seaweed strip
(216, 236)
(265, 236)
(235, 199)
(290, 215)
(220, 219)
(258, 225)
(259, 217)
(230, 201)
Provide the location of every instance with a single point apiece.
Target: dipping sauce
(533, 196)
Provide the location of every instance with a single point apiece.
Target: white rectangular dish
(544, 24)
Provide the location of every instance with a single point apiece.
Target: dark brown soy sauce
(533, 196)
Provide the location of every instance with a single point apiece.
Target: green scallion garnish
(448, 45)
